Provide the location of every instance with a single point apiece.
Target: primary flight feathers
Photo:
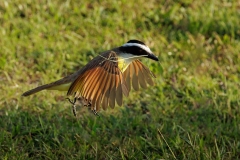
(104, 80)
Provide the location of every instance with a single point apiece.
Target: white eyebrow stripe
(146, 48)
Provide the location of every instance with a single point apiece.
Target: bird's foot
(95, 112)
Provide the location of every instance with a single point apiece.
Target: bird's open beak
(152, 56)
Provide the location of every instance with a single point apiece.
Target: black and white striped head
(137, 48)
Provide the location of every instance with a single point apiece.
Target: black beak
(152, 56)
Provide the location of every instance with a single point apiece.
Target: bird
(103, 81)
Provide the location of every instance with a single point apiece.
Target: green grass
(193, 111)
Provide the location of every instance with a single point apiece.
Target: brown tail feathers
(38, 89)
(62, 85)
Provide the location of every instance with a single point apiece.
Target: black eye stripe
(135, 50)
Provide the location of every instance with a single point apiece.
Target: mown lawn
(193, 111)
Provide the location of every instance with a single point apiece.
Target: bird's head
(137, 48)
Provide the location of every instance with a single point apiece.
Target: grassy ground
(193, 111)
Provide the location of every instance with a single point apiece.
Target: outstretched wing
(138, 74)
(101, 83)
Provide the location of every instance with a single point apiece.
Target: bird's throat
(124, 60)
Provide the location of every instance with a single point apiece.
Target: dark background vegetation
(191, 113)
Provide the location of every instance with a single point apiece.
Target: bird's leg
(74, 106)
(72, 102)
(93, 110)
(74, 110)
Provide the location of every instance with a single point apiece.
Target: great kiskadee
(105, 79)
